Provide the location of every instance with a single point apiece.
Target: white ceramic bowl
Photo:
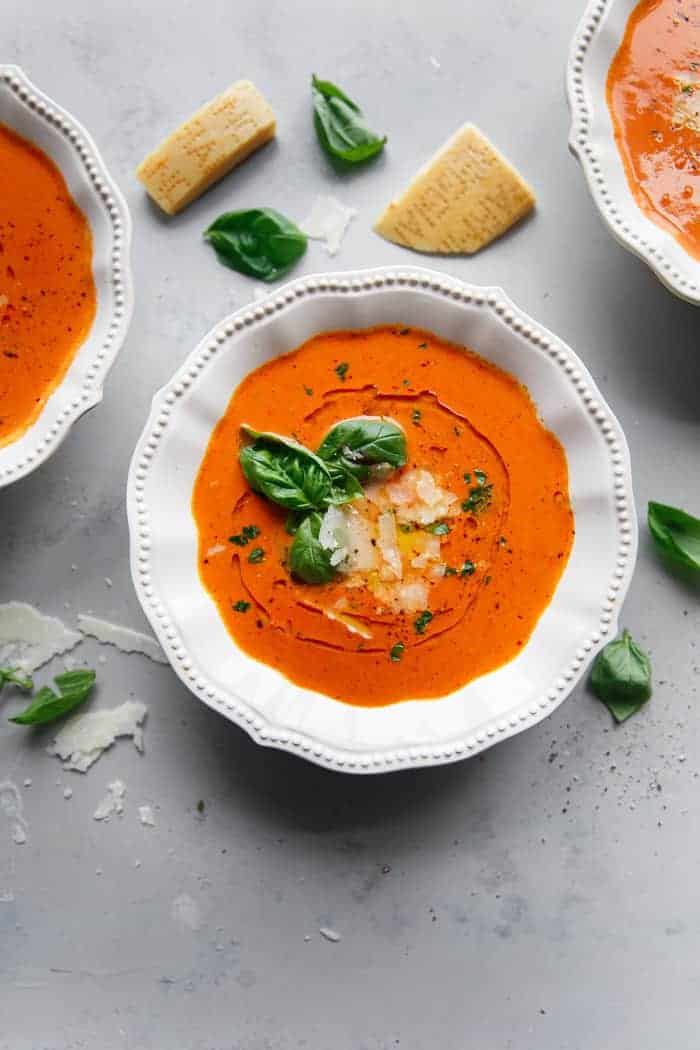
(38, 118)
(592, 141)
(581, 618)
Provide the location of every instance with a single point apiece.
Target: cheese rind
(207, 146)
(466, 196)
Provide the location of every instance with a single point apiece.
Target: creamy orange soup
(653, 95)
(456, 554)
(47, 293)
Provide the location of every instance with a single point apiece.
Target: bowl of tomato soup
(381, 519)
(633, 84)
(65, 291)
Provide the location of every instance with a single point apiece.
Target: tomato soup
(454, 553)
(47, 293)
(653, 93)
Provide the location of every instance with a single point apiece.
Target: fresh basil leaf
(340, 126)
(308, 560)
(676, 533)
(356, 444)
(422, 621)
(241, 606)
(346, 486)
(621, 677)
(285, 472)
(479, 498)
(396, 652)
(74, 687)
(13, 676)
(258, 242)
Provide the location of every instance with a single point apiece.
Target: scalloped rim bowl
(36, 117)
(579, 620)
(592, 142)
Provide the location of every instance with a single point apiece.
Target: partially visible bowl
(580, 619)
(35, 116)
(592, 142)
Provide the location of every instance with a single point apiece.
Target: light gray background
(541, 897)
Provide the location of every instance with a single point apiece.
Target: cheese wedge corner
(207, 146)
(466, 195)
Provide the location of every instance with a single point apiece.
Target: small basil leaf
(13, 676)
(258, 242)
(285, 472)
(308, 560)
(346, 486)
(362, 442)
(73, 688)
(621, 677)
(676, 533)
(340, 126)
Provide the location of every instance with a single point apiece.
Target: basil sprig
(258, 242)
(307, 483)
(74, 687)
(676, 534)
(621, 677)
(341, 127)
(308, 559)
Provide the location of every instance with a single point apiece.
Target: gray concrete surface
(541, 897)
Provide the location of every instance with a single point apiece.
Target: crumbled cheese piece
(68, 793)
(122, 638)
(329, 934)
(113, 802)
(12, 808)
(328, 221)
(29, 639)
(85, 737)
(146, 816)
(388, 545)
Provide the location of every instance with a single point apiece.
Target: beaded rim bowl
(36, 117)
(592, 142)
(580, 619)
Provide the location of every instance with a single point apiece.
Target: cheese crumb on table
(464, 198)
(207, 146)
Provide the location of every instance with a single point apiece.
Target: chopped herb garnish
(450, 571)
(308, 390)
(422, 346)
(256, 555)
(406, 382)
(479, 498)
(467, 479)
(439, 528)
(422, 621)
(687, 88)
(468, 569)
(416, 416)
(480, 477)
(396, 652)
(406, 526)
(241, 606)
(243, 538)
(487, 581)
(200, 806)
(458, 431)
(404, 331)
(503, 541)
(341, 370)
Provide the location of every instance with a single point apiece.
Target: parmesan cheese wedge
(207, 146)
(464, 198)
